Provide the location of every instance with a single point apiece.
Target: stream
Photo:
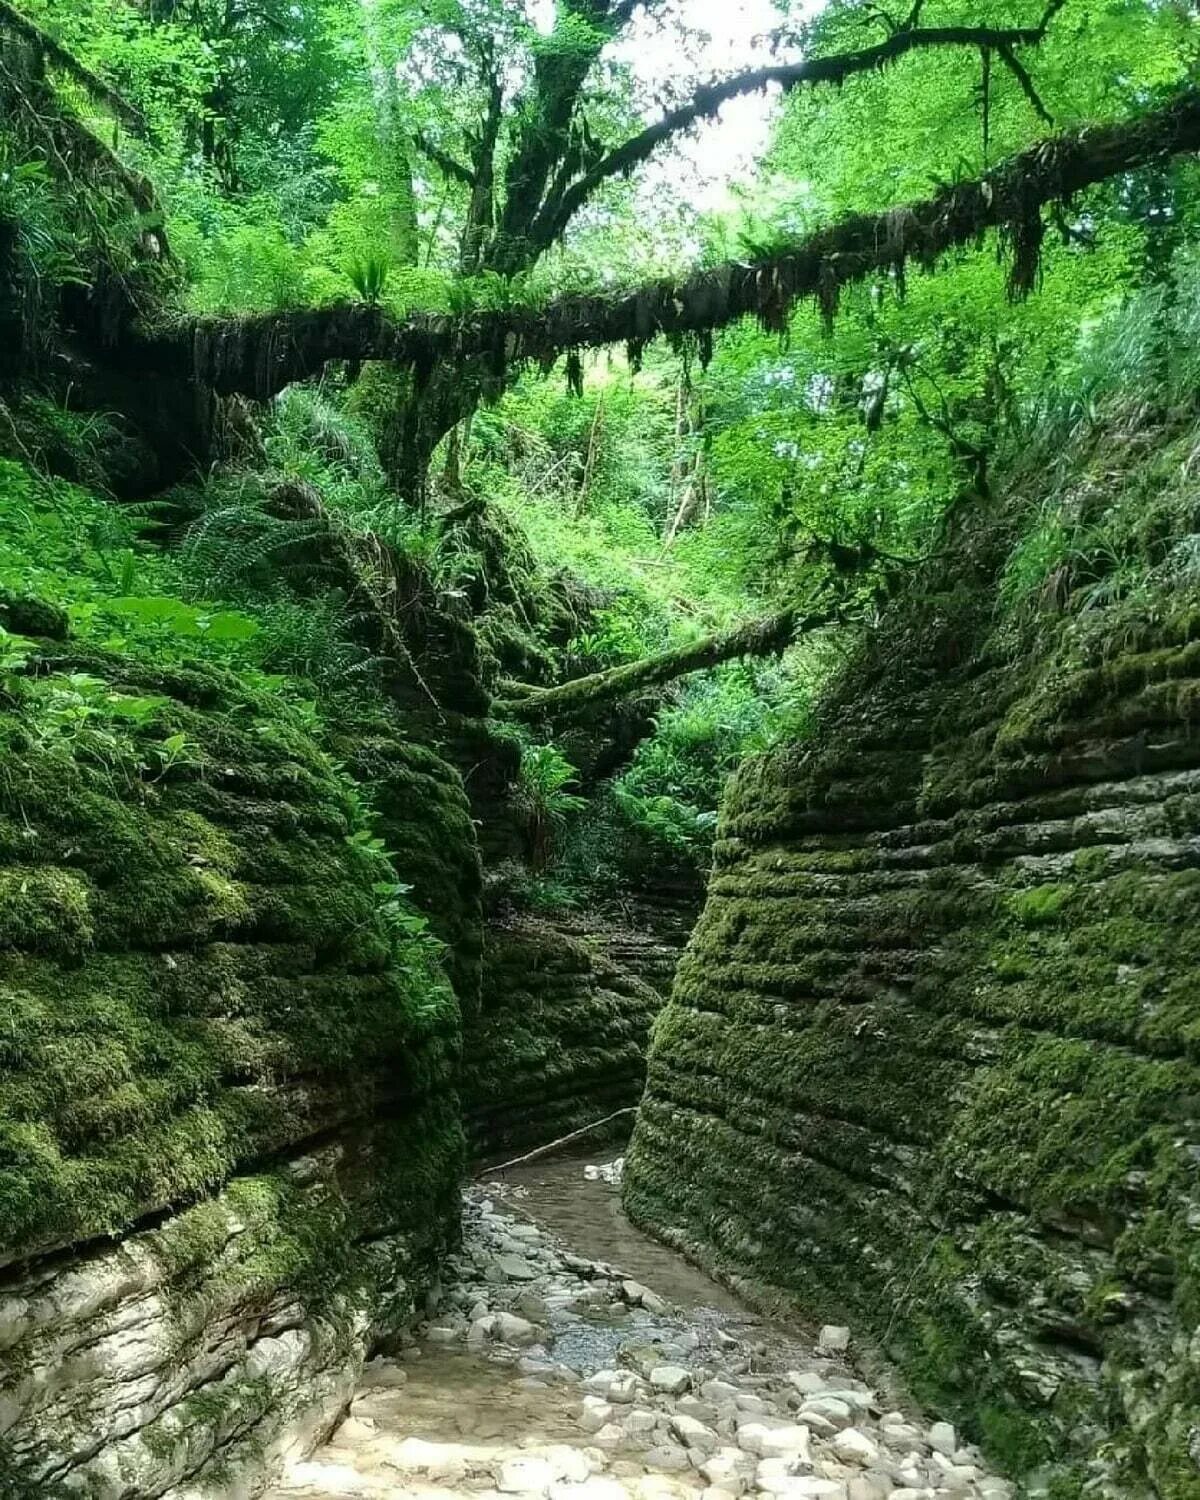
(570, 1357)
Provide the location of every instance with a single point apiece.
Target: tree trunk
(763, 637)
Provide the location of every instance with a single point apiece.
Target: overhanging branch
(258, 356)
(707, 100)
(450, 165)
(56, 54)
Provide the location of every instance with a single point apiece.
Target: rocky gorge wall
(560, 1039)
(230, 1144)
(932, 1060)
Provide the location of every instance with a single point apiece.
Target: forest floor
(545, 1373)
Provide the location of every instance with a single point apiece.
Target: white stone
(672, 1380)
(807, 1382)
(510, 1329)
(692, 1406)
(943, 1439)
(833, 1339)
(595, 1413)
(595, 1487)
(668, 1457)
(776, 1476)
(772, 1441)
(513, 1268)
(609, 1436)
(719, 1391)
(524, 1476)
(728, 1469)
(753, 1406)
(415, 1455)
(854, 1447)
(624, 1387)
(869, 1487)
(640, 1423)
(481, 1329)
(828, 1407)
(568, 1463)
(692, 1433)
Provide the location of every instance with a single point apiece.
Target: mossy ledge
(230, 1141)
(932, 1059)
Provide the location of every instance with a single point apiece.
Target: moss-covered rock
(932, 1061)
(228, 1044)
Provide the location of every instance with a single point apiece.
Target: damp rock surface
(579, 1379)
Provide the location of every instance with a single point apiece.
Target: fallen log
(767, 636)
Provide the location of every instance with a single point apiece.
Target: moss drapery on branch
(258, 356)
(59, 57)
(766, 636)
(705, 103)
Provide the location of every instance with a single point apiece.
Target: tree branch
(258, 356)
(449, 164)
(57, 54)
(557, 213)
(763, 637)
(1018, 70)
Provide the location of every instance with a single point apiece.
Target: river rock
(693, 1433)
(728, 1469)
(668, 1457)
(854, 1447)
(524, 1476)
(789, 1440)
(671, 1380)
(943, 1439)
(595, 1487)
(512, 1268)
(510, 1329)
(640, 1423)
(833, 1339)
(719, 1391)
(595, 1413)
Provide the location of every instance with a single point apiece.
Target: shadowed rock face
(931, 1058)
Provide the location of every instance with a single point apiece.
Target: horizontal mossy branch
(259, 356)
(762, 637)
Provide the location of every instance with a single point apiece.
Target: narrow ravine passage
(543, 1372)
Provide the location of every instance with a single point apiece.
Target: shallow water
(588, 1218)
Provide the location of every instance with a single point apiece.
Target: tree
(523, 132)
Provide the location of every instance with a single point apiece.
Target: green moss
(1041, 906)
(931, 1060)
